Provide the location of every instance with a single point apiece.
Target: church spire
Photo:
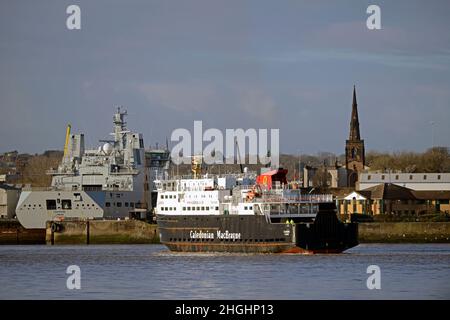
(354, 122)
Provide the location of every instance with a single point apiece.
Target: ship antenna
(239, 155)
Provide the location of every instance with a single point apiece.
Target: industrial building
(414, 181)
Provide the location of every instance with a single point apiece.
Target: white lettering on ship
(209, 235)
(228, 235)
(201, 235)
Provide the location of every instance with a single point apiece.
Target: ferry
(247, 213)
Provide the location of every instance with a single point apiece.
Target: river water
(408, 271)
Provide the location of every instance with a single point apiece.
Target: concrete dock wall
(139, 232)
(397, 232)
(103, 232)
(12, 232)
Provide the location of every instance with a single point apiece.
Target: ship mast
(196, 166)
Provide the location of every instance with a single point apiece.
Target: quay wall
(12, 232)
(103, 232)
(139, 232)
(404, 232)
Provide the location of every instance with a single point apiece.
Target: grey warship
(109, 182)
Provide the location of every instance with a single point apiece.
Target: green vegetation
(434, 217)
(32, 168)
(436, 159)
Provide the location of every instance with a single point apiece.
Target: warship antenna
(239, 155)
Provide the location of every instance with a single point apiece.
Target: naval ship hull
(255, 234)
(35, 208)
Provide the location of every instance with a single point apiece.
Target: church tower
(354, 147)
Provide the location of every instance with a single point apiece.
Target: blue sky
(232, 64)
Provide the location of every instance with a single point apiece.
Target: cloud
(180, 97)
(257, 104)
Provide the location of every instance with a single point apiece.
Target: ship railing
(54, 172)
(30, 188)
(207, 176)
(274, 214)
(301, 198)
(125, 171)
(271, 211)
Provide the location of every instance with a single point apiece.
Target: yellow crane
(66, 145)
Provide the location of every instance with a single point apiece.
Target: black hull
(253, 234)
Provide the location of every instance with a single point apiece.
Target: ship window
(250, 208)
(119, 204)
(203, 208)
(126, 204)
(217, 208)
(198, 208)
(410, 177)
(245, 208)
(207, 208)
(51, 204)
(368, 177)
(66, 204)
(107, 204)
(425, 177)
(162, 196)
(137, 156)
(439, 177)
(132, 204)
(382, 177)
(184, 208)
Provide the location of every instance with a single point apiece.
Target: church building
(354, 147)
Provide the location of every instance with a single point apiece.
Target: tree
(34, 172)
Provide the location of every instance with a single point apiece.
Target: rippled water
(420, 271)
